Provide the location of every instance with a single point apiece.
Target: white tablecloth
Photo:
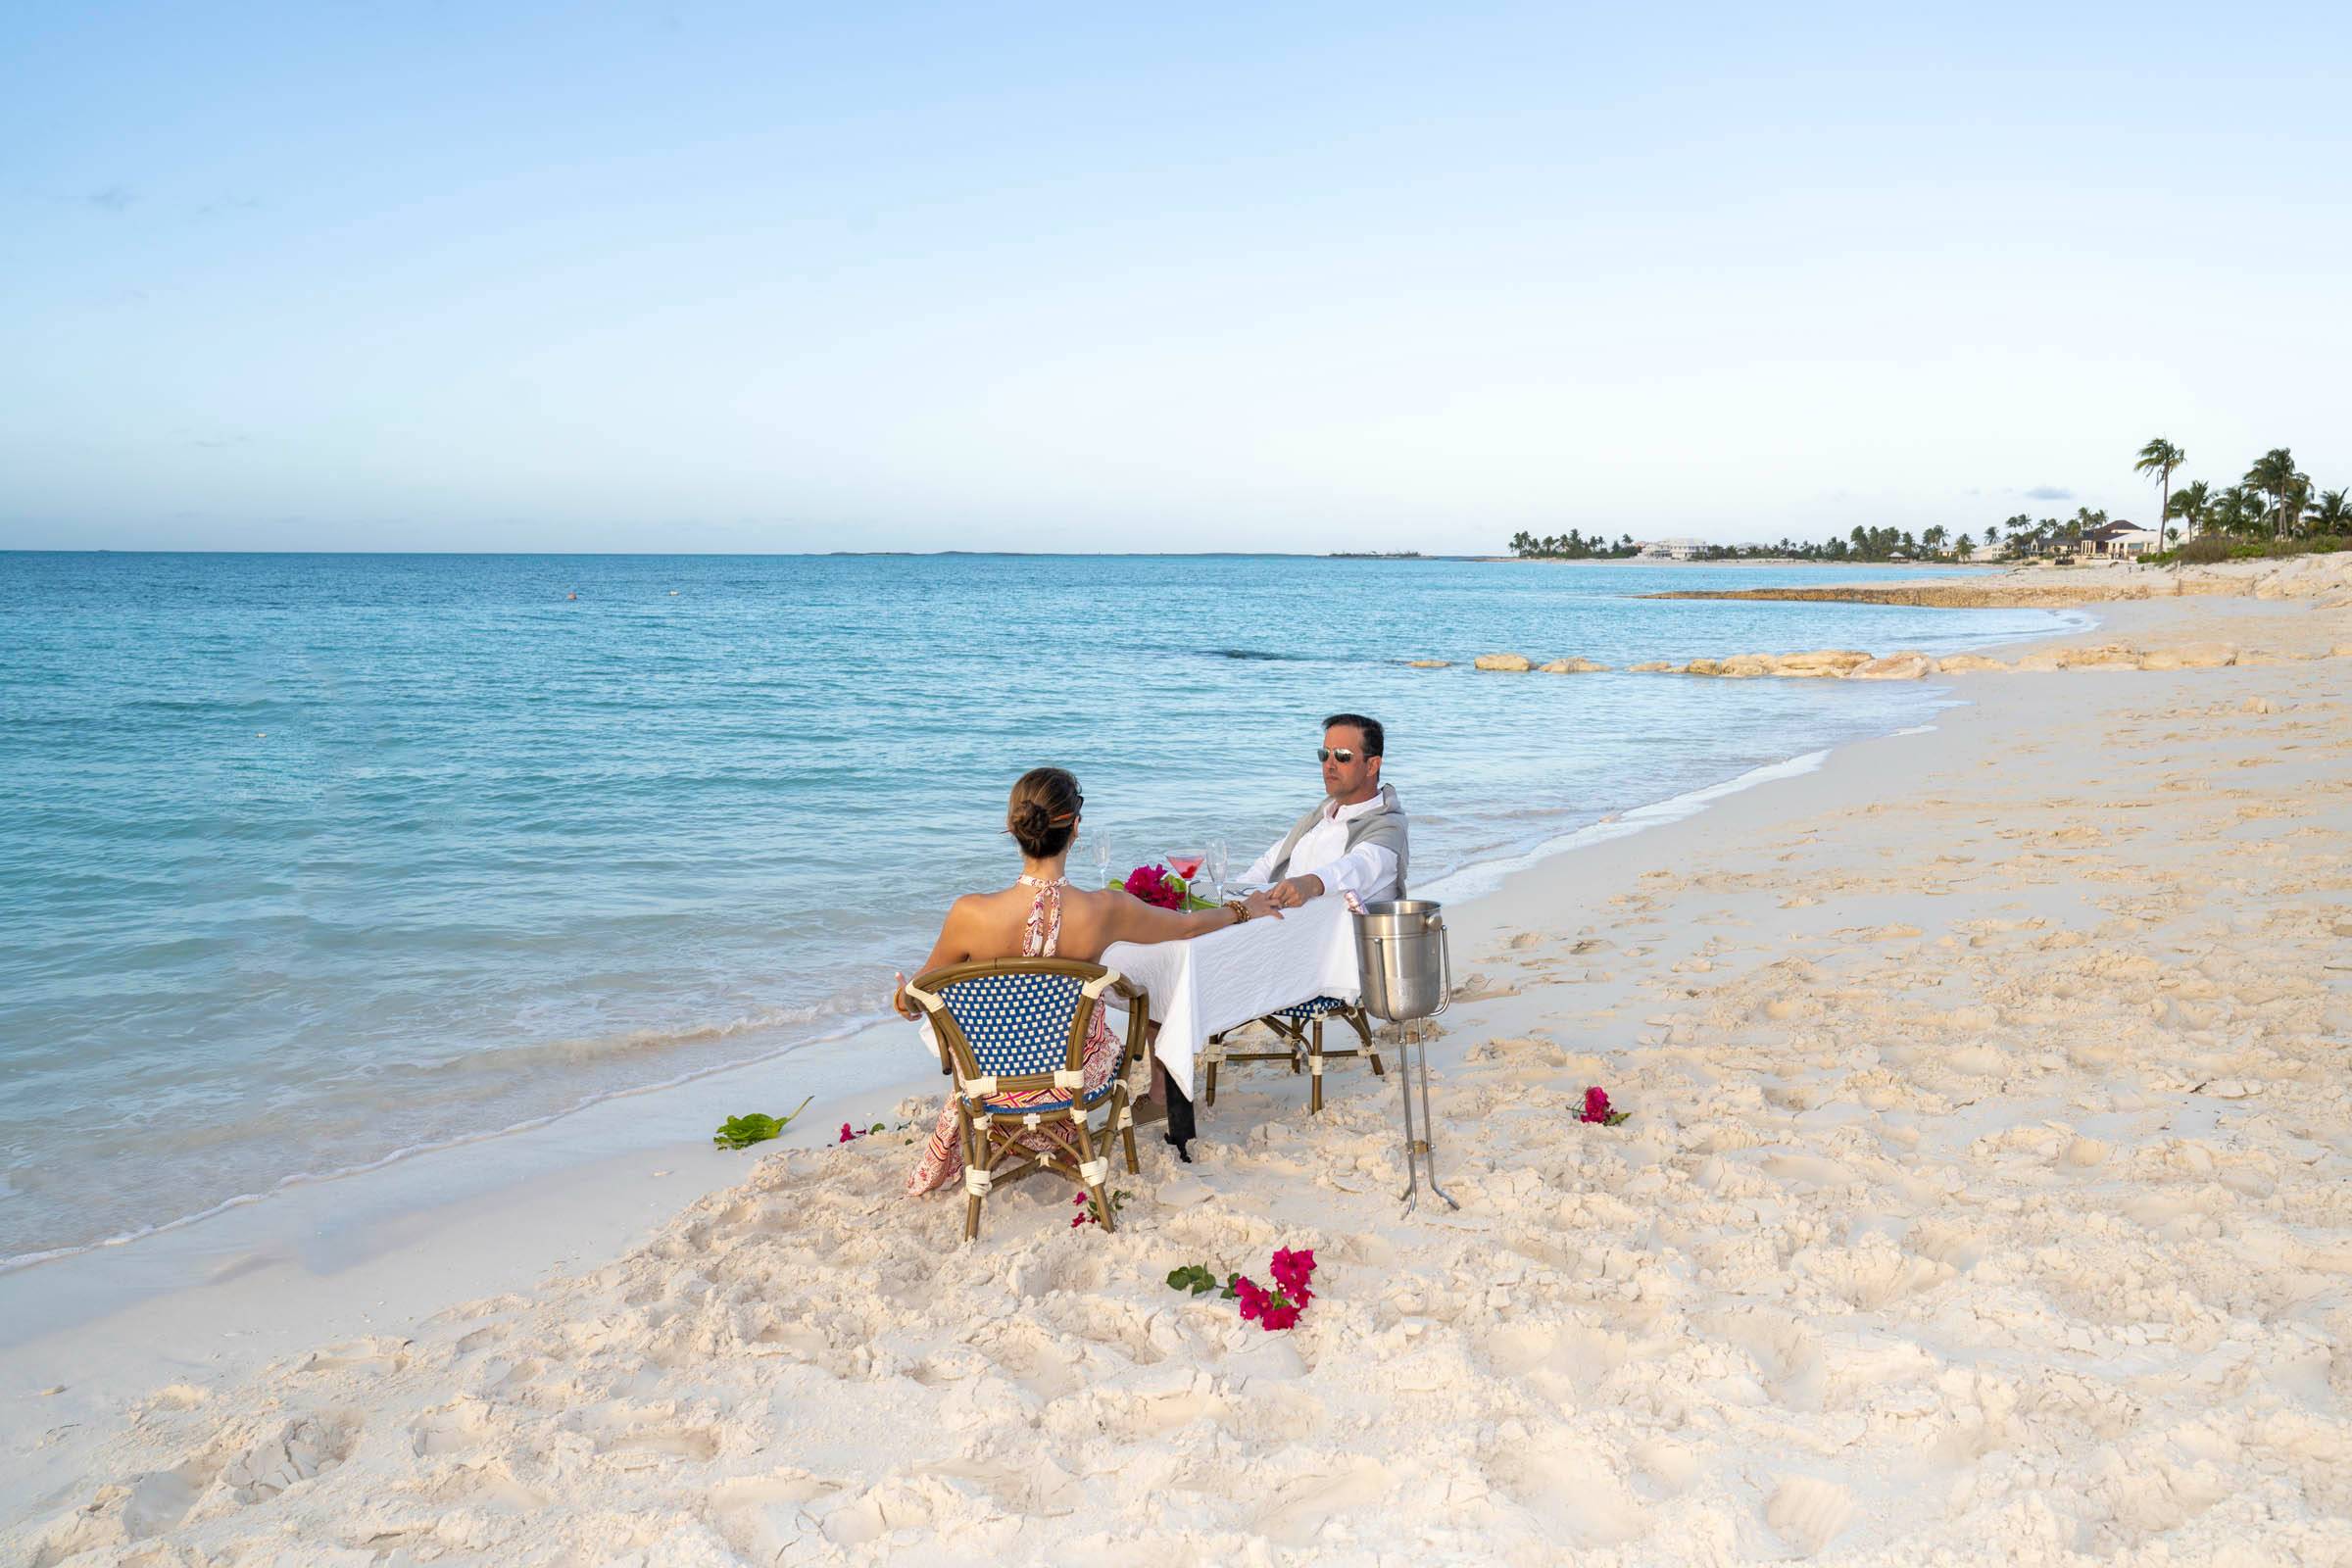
(1221, 981)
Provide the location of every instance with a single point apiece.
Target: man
(1354, 841)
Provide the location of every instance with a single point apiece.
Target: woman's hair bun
(1042, 811)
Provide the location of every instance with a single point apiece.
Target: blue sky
(756, 277)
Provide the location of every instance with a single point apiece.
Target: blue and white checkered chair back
(1017, 1024)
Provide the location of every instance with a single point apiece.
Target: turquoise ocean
(312, 862)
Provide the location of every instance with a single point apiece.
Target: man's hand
(1293, 891)
(1260, 904)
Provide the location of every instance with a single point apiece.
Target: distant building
(2120, 538)
(1672, 549)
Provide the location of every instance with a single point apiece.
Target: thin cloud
(2049, 492)
(112, 198)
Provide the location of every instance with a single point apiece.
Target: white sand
(1985, 1200)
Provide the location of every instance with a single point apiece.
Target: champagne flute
(1216, 869)
(1100, 846)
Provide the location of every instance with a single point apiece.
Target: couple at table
(1353, 842)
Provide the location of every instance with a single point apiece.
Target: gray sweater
(1383, 826)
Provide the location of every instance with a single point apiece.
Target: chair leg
(1127, 1131)
(1314, 1068)
(1295, 1038)
(1208, 1090)
(1086, 1155)
(972, 1200)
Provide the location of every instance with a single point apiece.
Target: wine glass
(1216, 869)
(1098, 846)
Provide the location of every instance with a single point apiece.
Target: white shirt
(1369, 870)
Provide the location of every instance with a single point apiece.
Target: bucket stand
(1417, 1155)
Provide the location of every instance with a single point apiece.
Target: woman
(1042, 916)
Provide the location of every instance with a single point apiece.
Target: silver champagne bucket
(1407, 976)
(1400, 955)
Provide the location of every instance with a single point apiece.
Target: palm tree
(2239, 511)
(1964, 547)
(2292, 505)
(2160, 457)
(2273, 474)
(2191, 505)
(2334, 515)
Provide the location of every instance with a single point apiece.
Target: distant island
(2276, 509)
(1373, 555)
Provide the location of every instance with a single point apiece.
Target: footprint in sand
(1787, 1354)
(1302, 1505)
(1566, 1362)
(1028, 1357)
(1871, 1277)
(452, 1429)
(1569, 1489)
(1159, 1402)
(1808, 1512)
(763, 1516)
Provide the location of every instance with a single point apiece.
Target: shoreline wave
(844, 1028)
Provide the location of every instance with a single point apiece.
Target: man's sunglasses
(1343, 756)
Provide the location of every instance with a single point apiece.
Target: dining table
(1206, 985)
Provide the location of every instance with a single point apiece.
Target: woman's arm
(1128, 918)
(953, 947)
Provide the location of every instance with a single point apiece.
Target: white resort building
(1671, 549)
(2120, 538)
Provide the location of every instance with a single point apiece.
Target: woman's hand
(1261, 904)
(898, 1000)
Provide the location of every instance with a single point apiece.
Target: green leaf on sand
(1193, 1277)
(741, 1132)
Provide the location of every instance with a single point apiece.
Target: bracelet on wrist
(1241, 910)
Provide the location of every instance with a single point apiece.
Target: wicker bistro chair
(1014, 1025)
(1300, 1030)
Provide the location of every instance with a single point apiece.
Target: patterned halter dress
(942, 1164)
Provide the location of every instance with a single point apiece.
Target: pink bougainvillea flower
(1254, 1300)
(847, 1133)
(1153, 885)
(1293, 1269)
(1279, 1315)
(1599, 1112)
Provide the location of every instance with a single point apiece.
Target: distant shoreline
(1736, 561)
